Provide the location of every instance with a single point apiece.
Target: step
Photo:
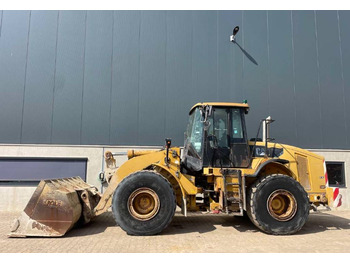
(240, 214)
(234, 200)
(232, 184)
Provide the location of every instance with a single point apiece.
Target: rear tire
(277, 204)
(144, 203)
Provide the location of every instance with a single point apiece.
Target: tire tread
(126, 181)
(251, 198)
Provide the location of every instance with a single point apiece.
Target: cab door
(238, 140)
(226, 141)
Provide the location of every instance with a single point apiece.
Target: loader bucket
(55, 207)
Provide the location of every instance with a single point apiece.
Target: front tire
(144, 203)
(277, 204)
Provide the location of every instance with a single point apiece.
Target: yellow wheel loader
(218, 170)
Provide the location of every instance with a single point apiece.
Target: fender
(134, 164)
(182, 182)
(275, 161)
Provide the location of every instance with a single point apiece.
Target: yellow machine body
(58, 205)
(304, 166)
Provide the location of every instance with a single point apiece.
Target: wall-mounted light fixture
(235, 31)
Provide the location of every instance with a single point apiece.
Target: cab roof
(220, 104)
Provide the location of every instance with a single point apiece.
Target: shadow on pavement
(323, 221)
(96, 226)
(316, 223)
(203, 223)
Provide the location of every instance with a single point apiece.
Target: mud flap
(184, 207)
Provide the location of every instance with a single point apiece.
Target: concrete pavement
(323, 232)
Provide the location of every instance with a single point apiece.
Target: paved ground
(324, 232)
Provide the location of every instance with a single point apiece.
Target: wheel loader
(219, 170)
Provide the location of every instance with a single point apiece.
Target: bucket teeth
(24, 226)
(55, 207)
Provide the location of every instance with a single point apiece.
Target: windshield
(195, 131)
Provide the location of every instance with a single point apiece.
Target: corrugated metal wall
(130, 77)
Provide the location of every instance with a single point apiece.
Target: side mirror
(205, 112)
(213, 141)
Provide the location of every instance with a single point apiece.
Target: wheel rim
(143, 204)
(282, 205)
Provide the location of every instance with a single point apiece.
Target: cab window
(237, 130)
(219, 126)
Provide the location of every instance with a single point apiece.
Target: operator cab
(216, 137)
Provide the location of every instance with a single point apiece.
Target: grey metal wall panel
(125, 78)
(238, 55)
(37, 113)
(344, 28)
(281, 82)
(13, 52)
(129, 77)
(306, 80)
(67, 103)
(228, 55)
(255, 66)
(179, 91)
(152, 78)
(331, 86)
(1, 15)
(204, 56)
(97, 78)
